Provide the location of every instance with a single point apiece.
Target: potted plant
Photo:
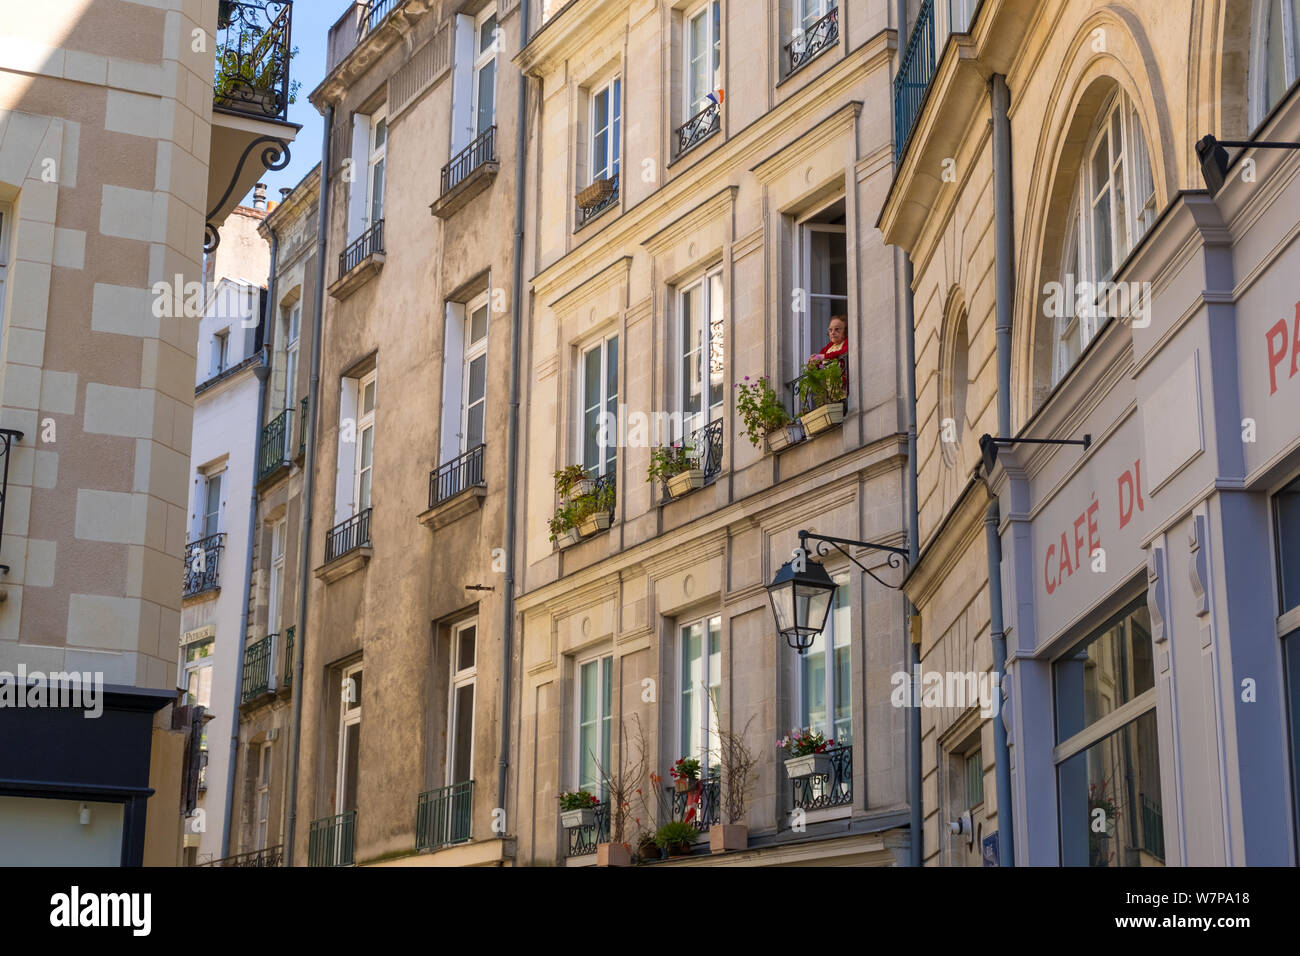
(578, 809)
(596, 193)
(677, 467)
(821, 386)
(676, 837)
(572, 482)
(765, 418)
(645, 846)
(592, 511)
(805, 753)
(738, 765)
(685, 773)
(564, 528)
(620, 783)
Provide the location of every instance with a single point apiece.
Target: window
(460, 741)
(6, 218)
(821, 281)
(825, 697)
(276, 595)
(599, 391)
(703, 56)
(378, 160)
(595, 716)
(1276, 54)
(485, 71)
(703, 390)
(292, 321)
(474, 375)
(1109, 780)
(197, 672)
(700, 686)
(365, 443)
(606, 119)
(1113, 207)
(349, 739)
(354, 466)
(263, 793)
(806, 15)
(220, 351)
(210, 518)
(974, 779)
(1286, 524)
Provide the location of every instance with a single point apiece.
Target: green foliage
(578, 800)
(675, 835)
(687, 768)
(567, 478)
(669, 460)
(760, 408)
(821, 383)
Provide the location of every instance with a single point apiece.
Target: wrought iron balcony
(605, 485)
(330, 840)
(708, 443)
(273, 449)
(303, 423)
(348, 536)
(442, 816)
(482, 150)
(582, 841)
(814, 41)
(257, 669)
(7, 437)
(202, 563)
(457, 475)
(286, 675)
(587, 213)
(369, 243)
(374, 14)
(799, 404)
(699, 128)
(707, 807)
(271, 856)
(251, 73)
(915, 71)
(822, 791)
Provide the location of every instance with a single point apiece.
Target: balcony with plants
(586, 507)
(819, 396)
(595, 199)
(819, 770)
(688, 466)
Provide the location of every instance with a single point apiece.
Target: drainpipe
(1003, 214)
(309, 482)
(913, 546)
(262, 372)
(512, 458)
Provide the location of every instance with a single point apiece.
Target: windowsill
(357, 276)
(459, 196)
(344, 564)
(807, 63)
(450, 510)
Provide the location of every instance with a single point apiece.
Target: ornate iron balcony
(330, 840)
(708, 443)
(821, 791)
(257, 668)
(482, 150)
(203, 564)
(707, 808)
(587, 213)
(273, 450)
(800, 404)
(442, 816)
(582, 840)
(251, 74)
(814, 41)
(369, 243)
(348, 536)
(699, 128)
(286, 675)
(449, 480)
(915, 71)
(271, 856)
(303, 424)
(7, 437)
(374, 14)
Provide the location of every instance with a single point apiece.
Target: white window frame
(694, 100)
(707, 730)
(805, 13)
(609, 128)
(461, 677)
(348, 716)
(377, 158)
(606, 463)
(215, 477)
(220, 351)
(275, 595)
(474, 350)
(482, 58)
(604, 720)
(827, 642)
(801, 333)
(191, 669)
(292, 330)
(263, 794)
(1262, 99)
(365, 422)
(709, 345)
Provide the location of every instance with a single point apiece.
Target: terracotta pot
(728, 836)
(613, 854)
(679, 849)
(824, 418)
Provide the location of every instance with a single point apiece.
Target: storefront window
(1286, 520)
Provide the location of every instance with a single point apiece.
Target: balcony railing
(303, 423)
(203, 564)
(588, 213)
(369, 243)
(374, 15)
(799, 404)
(273, 450)
(482, 150)
(707, 807)
(257, 668)
(605, 484)
(271, 856)
(330, 840)
(449, 480)
(699, 128)
(442, 816)
(251, 73)
(915, 71)
(707, 443)
(822, 791)
(7, 437)
(818, 38)
(348, 536)
(286, 675)
(582, 840)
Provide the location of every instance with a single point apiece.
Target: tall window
(485, 71)
(700, 686)
(1276, 54)
(606, 119)
(703, 56)
(825, 701)
(365, 443)
(220, 351)
(197, 676)
(210, 519)
(599, 391)
(1286, 524)
(6, 218)
(349, 739)
(703, 389)
(1108, 779)
(378, 160)
(292, 321)
(1114, 205)
(595, 716)
(276, 595)
(460, 741)
(806, 14)
(354, 474)
(474, 374)
(821, 281)
(263, 793)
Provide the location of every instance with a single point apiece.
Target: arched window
(1114, 205)
(1276, 54)
(955, 382)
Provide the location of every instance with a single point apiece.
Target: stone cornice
(603, 280)
(716, 206)
(570, 29)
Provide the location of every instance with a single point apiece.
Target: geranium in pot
(821, 388)
(564, 527)
(578, 809)
(685, 773)
(805, 753)
(676, 837)
(677, 467)
(765, 418)
(592, 511)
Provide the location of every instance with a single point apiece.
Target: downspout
(309, 482)
(262, 372)
(1003, 214)
(512, 430)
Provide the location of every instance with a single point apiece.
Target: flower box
(584, 486)
(728, 836)
(585, 817)
(594, 524)
(613, 854)
(595, 194)
(808, 765)
(779, 439)
(568, 539)
(684, 784)
(824, 418)
(684, 482)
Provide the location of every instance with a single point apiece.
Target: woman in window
(837, 349)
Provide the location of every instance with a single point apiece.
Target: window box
(584, 486)
(585, 817)
(595, 194)
(809, 765)
(568, 539)
(823, 419)
(684, 482)
(594, 524)
(728, 836)
(779, 439)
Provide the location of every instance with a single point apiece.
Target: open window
(598, 389)
(702, 391)
(699, 677)
(594, 710)
(821, 281)
(275, 596)
(474, 81)
(263, 794)
(212, 503)
(291, 322)
(600, 179)
(464, 392)
(702, 80)
(354, 476)
(460, 717)
(349, 740)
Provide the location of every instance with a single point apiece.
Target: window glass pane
(717, 47)
(606, 713)
(1276, 54)
(352, 742)
(974, 779)
(487, 81)
(600, 135)
(588, 726)
(692, 675)
(1104, 673)
(465, 647)
(691, 367)
(487, 33)
(368, 398)
(460, 767)
(591, 408)
(714, 705)
(842, 731)
(377, 193)
(611, 404)
(1111, 811)
(717, 357)
(1118, 179)
(1287, 522)
(1101, 239)
(814, 686)
(1143, 180)
(474, 426)
(698, 70)
(353, 700)
(478, 324)
(618, 121)
(381, 134)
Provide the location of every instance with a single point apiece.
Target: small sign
(990, 848)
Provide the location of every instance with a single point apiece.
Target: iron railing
(464, 471)
(375, 13)
(586, 215)
(251, 72)
(821, 791)
(369, 243)
(707, 445)
(442, 816)
(1153, 827)
(330, 840)
(271, 856)
(915, 71)
(7, 437)
(203, 564)
(273, 450)
(482, 150)
(699, 127)
(800, 404)
(707, 807)
(303, 423)
(286, 676)
(818, 38)
(257, 668)
(582, 840)
(348, 536)
(605, 484)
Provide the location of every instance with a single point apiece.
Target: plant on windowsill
(249, 72)
(595, 194)
(764, 416)
(676, 837)
(592, 511)
(564, 527)
(677, 467)
(685, 773)
(572, 481)
(805, 753)
(821, 388)
(738, 765)
(578, 809)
